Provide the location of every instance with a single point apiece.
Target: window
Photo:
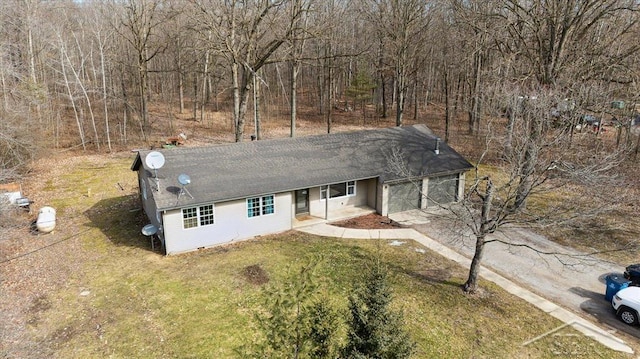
(260, 206)
(351, 188)
(190, 217)
(339, 190)
(206, 215)
(197, 216)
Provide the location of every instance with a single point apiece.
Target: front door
(302, 201)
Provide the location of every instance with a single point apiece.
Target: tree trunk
(383, 89)
(180, 85)
(321, 80)
(486, 227)
(5, 92)
(205, 76)
(295, 67)
(447, 105)
(508, 142)
(142, 87)
(73, 102)
(415, 99)
(471, 285)
(125, 105)
(256, 99)
(86, 96)
(236, 96)
(195, 96)
(474, 113)
(400, 84)
(528, 166)
(329, 96)
(243, 96)
(328, 82)
(104, 96)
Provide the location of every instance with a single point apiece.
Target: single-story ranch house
(242, 190)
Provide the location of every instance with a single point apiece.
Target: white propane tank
(46, 221)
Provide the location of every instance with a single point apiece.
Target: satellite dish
(184, 179)
(149, 230)
(154, 160)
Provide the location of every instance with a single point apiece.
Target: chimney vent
(437, 149)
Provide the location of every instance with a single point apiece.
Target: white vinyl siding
(231, 224)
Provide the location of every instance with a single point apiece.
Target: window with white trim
(260, 206)
(197, 216)
(339, 190)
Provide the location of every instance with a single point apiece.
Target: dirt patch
(254, 274)
(369, 221)
(63, 335)
(39, 305)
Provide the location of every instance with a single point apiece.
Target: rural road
(574, 281)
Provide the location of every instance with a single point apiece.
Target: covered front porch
(333, 202)
(335, 215)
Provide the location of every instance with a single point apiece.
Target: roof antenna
(184, 180)
(155, 160)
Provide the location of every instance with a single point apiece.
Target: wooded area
(83, 74)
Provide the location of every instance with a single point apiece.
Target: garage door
(404, 196)
(442, 190)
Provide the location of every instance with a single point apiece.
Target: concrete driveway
(571, 279)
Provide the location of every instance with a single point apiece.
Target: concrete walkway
(569, 318)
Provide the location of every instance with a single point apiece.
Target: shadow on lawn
(120, 219)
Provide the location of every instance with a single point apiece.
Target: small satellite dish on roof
(149, 230)
(184, 180)
(155, 160)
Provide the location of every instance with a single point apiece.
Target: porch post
(326, 204)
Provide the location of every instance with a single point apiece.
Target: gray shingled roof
(240, 170)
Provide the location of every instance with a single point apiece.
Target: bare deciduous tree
(537, 164)
(139, 24)
(299, 35)
(580, 38)
(248, 34)
(400, 25)
(539, 167)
